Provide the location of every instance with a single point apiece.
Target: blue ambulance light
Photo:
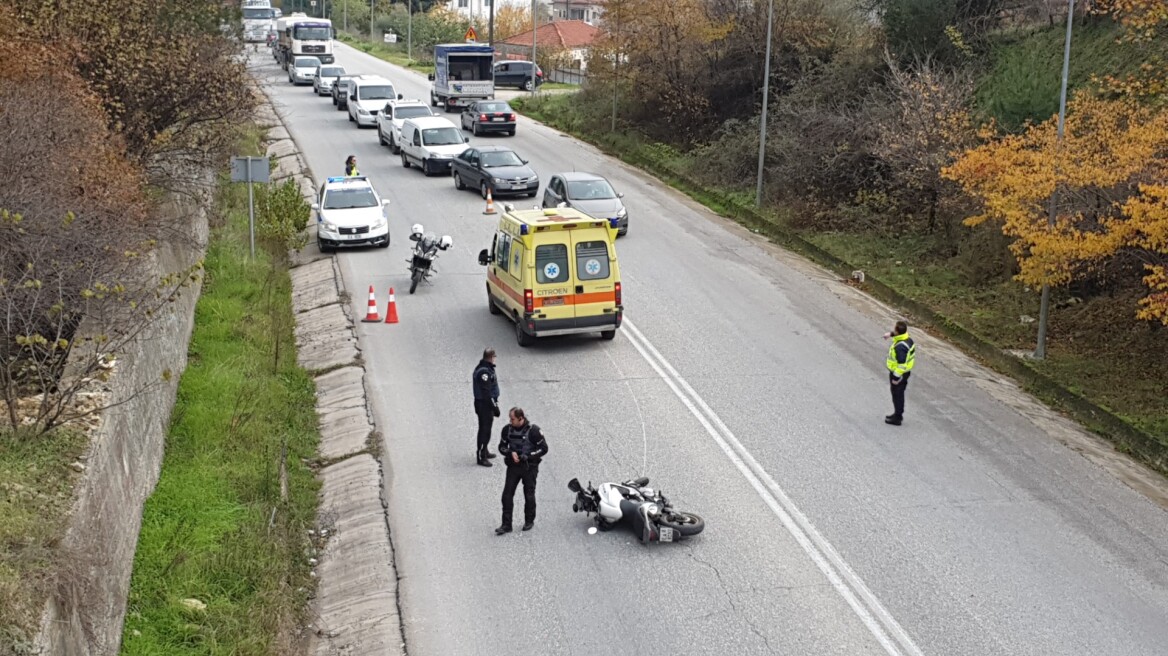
(523, 228)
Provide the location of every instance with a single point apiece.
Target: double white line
(847, 583)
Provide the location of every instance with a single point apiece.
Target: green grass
(36, 494)
(1117, 373)
(1023, 80)
(217, 527)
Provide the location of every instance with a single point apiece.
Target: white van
(367, 95)
(431, 142)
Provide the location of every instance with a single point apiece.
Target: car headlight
(499, 180)
(621, 214)
(362, 111)
(328, 227)
(379, 223)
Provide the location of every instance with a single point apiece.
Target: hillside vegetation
(916, 140)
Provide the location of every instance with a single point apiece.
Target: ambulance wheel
(521, 337)
(607, 334)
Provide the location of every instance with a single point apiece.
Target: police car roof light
(347, 178)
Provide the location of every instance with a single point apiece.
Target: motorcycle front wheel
(415, 279)
(686, 524)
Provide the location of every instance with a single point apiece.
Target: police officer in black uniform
(522, 446)
(486, 404)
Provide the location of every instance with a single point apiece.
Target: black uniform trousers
(522, 471)
(485, 411)
(898, 395)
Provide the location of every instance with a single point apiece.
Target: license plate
(666, 534)
(498, 119)
(554, 300)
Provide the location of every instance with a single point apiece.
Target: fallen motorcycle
(633, 502)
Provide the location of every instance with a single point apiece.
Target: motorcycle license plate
(666, 534)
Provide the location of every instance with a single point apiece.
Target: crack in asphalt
(730, 599)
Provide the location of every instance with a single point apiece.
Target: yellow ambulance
(554, 272)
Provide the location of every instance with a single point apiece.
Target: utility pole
(766, 92)
(345, 4)
(534, 32)
(410, 31)
(1044, 304)
(372, 8)
(491, 25)
(616, 65)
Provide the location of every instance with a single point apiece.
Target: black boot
(528, 525)
(892, 419)
(484, 462)
(502, 529)
(488, 454)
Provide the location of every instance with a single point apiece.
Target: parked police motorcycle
(633, 502)
(425, 251)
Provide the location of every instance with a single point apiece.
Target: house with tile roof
(561, 46)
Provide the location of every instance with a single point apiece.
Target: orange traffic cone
(391, 311)
(372, 315)
(490, 204)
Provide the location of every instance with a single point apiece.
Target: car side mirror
(316, 207)
(385, 202)
(399, 96)
(484, 257)
(465, 139)
(430, 77)
(620, 195)
(523, 160)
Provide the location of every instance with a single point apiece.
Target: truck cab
(300, 35)
(463, 73)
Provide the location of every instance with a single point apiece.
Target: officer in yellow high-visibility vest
(351, 166)
(901, 354)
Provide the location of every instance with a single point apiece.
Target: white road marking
(891, 636)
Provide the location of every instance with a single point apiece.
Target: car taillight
(618, 294)
(512, 117)
(539, 73)
(482, 117)
(528, 301)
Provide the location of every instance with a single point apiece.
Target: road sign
(391, 38)
(470, 35)
(313, 3)
(249, 170)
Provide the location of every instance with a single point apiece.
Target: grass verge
(227, 524)
(36, 496)
(1111, 385)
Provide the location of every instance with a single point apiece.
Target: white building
(588, 11)
(481, 9)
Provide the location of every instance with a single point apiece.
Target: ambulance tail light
(618, 294)
(529, 300)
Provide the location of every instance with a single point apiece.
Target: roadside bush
(281, 218)
(436, 26)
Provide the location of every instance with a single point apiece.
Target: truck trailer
(463, 73)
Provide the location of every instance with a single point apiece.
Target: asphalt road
(753, 396)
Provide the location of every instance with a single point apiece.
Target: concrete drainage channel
(356, 604)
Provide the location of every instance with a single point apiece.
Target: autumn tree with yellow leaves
(1111, 173)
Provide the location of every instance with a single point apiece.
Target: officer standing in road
(901, 354)
(522, 445)
(351, 166)
(486, 404)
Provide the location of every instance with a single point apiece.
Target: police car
(350, 213)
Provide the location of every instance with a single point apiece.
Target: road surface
(754, 396)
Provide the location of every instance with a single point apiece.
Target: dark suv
(517, 74)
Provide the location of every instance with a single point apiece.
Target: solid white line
(846, 582)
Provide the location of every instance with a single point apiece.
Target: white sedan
(350, 213)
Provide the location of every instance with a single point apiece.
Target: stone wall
(84, 616)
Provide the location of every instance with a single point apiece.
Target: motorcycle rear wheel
(686, 524)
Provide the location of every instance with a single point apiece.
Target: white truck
(300, 35)
(257, 20)
(463, 73)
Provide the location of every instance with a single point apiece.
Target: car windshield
(347, 199)
(494, 107)
(331, 71)
(307, 62)
(376, 92)
(500, 158)
(313, 33)
(411, 112)
(590, 190)
(441, 136)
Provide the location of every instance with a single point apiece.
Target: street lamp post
(1044, 304)
(534, 31)
(491, 25)
(410, 30)
(766, 92)
(372, 8)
